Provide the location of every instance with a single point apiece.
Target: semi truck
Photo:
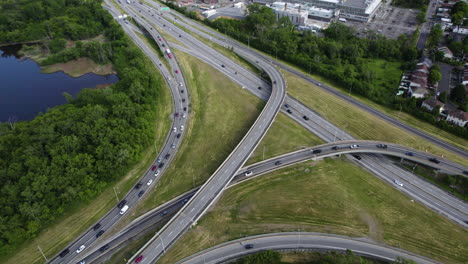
(169, 54)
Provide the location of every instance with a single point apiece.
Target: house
(418, 79)
(432, 103)
(457, 117)
(447, 53)
(417, 92)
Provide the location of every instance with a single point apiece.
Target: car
(465, 172)
(163, 45)
(409, 154)
(149, 182)
(181, 128)
(185, 108)
(161, 165)
(83, 262)
(163, 213)
(176, 114)
(138, 185)
(159, 159)
(181, 91)
(140, 194)
(259, 88)
(100, 233)
(248, 173)
(157, 173)
(181, 84)
(286, 105)
(184, 115)
(104, 248)
(305, 118)
(97, 226)
(382, 146)
(357, 157)
(173, 146)
(249, 246)
(178, 135)
(289, 111)
(80, 249)
(183, 100)
(184, 201)
(434, 160)
(334, 148)
(64, 253)
(277, 163)
(222, 65)
(354, 146)
(176, 71)
(316, 151)
(397, 182)
(154, 167)
(139, 259)
(235, 72)
(180, 36)
(121, 204)
(174, 129)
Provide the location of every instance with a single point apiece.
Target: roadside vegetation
(330, 196)
(65, 158)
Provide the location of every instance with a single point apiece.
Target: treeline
(71, 153)
(339, 55)
(411, 3)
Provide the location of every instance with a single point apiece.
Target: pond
(25, 91)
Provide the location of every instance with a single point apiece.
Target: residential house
(432, 103)
(418, 79)
(457, 117)
(447, 52)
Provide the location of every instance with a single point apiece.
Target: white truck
(342, 20)
(124, 209)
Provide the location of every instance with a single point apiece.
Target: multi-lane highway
(153, 174)
(299, 241)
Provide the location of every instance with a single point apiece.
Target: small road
(299, 241)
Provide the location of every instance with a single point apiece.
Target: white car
(248, 173)
(397, 182)
(184, 115)
(157, 173)
(80, 249)
(354, 146)
(149, 182)
(175, 129)
(181, 128)
(181, 84)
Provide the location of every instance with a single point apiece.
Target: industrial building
(293, 11)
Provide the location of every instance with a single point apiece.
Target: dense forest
(339, 55)
(69, 154)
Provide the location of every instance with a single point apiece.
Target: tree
(434, 36)
(421, 17)
(443, 97)
(57, 45)
(434, 75)
(458, 18)
(460, 7)
(458, 93)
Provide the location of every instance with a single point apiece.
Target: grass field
(57, 236)
(285, 135)
(330, 196)
(357, 122)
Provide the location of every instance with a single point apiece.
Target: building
(418, 79)
(460, 30)
(293, 11)
(209, 13)
(447, 52)
(320, 13)
(361, 10)
(457, 117)
(238, 5)
(432, 103)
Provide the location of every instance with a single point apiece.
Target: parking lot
(389, 21)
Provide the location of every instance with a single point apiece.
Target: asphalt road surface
(297, 241)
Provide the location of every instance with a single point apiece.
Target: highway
(153, 174)
(216, 37)
(299, 241)
(421, 190)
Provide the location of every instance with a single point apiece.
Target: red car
(176, 71)
(154, 167)
(139, 259)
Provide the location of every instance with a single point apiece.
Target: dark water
(25, 91)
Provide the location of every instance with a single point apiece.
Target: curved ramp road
(221, 39)
(137, 193)
(296, 241)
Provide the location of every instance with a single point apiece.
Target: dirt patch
(79, 67)
(375, 229)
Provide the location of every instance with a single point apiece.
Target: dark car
(178, 135)
(249, 246)
(334, 148)
(382, 146)
(305, 118)
(289, 111)
(278, 163)
(357, 157)
(274, 82)
(183, 99)
(163, 45)
(97, 226)
(64, 253)
(286, 105)
(259, 88)
(140, 194)
(104, 248)
(138, 185)
(181, 91)
(121, 204)
(465, 172)
(222, 65)
(161, 164)
(154, 167)
(180, 36)
(185, 201)
(316, 151)
(167, 156)
(185, 108)
(409, 154)
(99, 233)
(176, 114)
(163, 213)
(434, 160)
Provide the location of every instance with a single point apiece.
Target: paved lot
(389, 21)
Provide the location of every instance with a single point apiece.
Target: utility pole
(42, 253)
